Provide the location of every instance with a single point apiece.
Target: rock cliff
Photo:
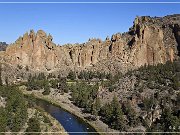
(151, 40)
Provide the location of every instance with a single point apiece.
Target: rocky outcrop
(2, 102)
(151, 40)
(3, 46)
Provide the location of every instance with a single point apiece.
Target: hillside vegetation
(146, 99)
(21, 114)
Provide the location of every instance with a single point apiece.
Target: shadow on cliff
(176, 31)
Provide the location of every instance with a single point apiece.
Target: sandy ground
(64, 102)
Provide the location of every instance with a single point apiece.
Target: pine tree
(46, 90)
(117, 118)
(33, 126)
(96, 107)
(107, 113)
(3, 120)
(81, 75)
(71, 75)
(119, 122)
(16, 109)
(169, 121)
(130, 113)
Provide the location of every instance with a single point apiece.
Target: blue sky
(71, 23)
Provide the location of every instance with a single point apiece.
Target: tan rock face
(150, 41)
(33, 50)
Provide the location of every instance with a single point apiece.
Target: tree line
(41, 81)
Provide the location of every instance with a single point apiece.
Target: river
(72, 124)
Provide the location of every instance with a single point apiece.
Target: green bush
(46, 90)
(71, 75)
(33, 126)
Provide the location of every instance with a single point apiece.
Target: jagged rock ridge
(151, 40)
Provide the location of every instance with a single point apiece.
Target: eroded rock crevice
(176, 31)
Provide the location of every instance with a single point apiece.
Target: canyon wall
(151, 40)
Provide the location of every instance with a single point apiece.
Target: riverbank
(48, 124)
(64, 102)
